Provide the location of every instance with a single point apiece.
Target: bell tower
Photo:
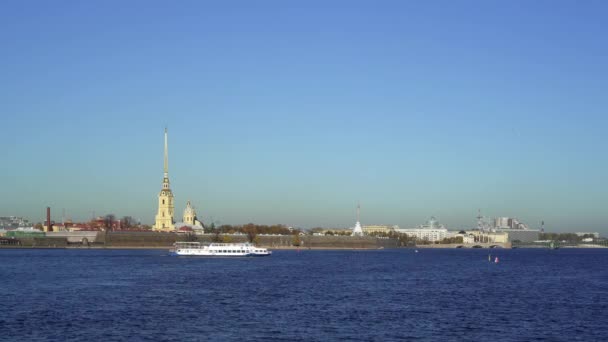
(166, 206)
(189, 214)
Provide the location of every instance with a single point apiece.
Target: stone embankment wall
(348, 242)
(44, 242)
(149, 239)
(166, 240)
(138, 239)
(471, 245)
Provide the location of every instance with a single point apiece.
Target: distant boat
(552, 245)
(496, 260)
(218, 249)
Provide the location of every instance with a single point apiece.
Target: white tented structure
(357, 229)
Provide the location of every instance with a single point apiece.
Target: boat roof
(230, 244)
(186, 243)
(214, 243)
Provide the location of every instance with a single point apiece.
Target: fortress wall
(140, 239)
(348, 242)
(44, 242)
(166, 240)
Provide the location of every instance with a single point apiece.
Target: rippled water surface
(382, 295)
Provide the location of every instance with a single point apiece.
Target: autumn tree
(108, 220)
(251, 231)
(127, 222)
(296, 240)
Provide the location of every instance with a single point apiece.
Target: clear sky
(292, 111)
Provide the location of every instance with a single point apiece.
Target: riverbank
(322, 248)
(159, 240)
(293, 248)
(167, 248)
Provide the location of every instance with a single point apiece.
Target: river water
(379, 295)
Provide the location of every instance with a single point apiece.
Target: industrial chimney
(48, 219)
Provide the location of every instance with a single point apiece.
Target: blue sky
(291, 112)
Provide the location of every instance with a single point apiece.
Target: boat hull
(219, 255)
(218, 250)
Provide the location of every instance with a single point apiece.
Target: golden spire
(166, 155)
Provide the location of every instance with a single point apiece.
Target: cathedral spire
(166, 185)
(166, 208)
(166, 155)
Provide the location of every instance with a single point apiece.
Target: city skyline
(283, 114)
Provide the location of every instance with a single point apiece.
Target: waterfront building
(24, 232)
(333, 231)
(508, 223)
(466, 238)
(502, 222)
(372, 229)
(521, 235)
(503, 235)
(166, 207)
(190, 221)
(432, 231)
(504, 228)
(190, 216)
(594, 234)
(487, 236)
(12, 222)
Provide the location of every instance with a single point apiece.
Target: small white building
(431, 231)
(594, 234)
(190, 216)
(371, 229)
(466, 237)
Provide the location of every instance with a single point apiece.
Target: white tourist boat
(218, 249)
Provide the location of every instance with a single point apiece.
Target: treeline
(107, 222)
(250, 228)
(252, 231)
(338, 233)
(568, 237)
(412, 240)
(393, 235)
(407, 240)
